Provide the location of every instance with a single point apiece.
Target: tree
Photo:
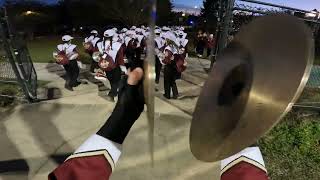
(133, 12)
(209, 13)
(164, 12)
(29, 16)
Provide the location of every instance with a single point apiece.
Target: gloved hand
(127, 110)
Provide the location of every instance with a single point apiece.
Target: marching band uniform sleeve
(120, 60)
(120, 56)
(246, 165)
(60, 47)
(96, 158)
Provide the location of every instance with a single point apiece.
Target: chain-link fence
(244, 11)
(18, 78)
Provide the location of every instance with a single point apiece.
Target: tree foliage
(28, 16)
(164, 12)
(209, 13)
(131, 12)
(69, 14)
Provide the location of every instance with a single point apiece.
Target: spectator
(201, 43)
(211, 42)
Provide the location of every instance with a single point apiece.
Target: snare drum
(61, 58)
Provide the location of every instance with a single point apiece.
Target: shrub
(7, 93)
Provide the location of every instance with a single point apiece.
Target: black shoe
(83, 82)
(77, 84)
(110, 98)
(166, 96)
(175, 97)
(68, 87)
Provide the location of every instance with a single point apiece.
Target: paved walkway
(36, 138)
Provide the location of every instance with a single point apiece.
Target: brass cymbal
(149, 86)
(149, 83)
(253, 85)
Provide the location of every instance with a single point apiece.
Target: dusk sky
(301, 4)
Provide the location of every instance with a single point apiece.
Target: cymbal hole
(233, 86)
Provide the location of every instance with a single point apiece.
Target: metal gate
(235, 13)
(16, 67)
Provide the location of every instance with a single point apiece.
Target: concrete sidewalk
(37, 137)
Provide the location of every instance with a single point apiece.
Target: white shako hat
(165, 28)
(180, 33)
(157, 31)
(170, 36)
(124, 30)
(94, 32)
(130, 32)
(133, 28)
(109, 33)
(67, 38)
(139, 30)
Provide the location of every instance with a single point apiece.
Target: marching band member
(182, 43)
(67, 56)
(180, 59)
(111, 63)
(97, 157)
(159, 48)
(141, 43)
(164, 31)
(131, 45)
(133, 28)
(90, 45)
(122, 35)
(245, 165)
(170, 71)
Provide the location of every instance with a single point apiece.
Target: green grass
(41, 49)
(9, 92)
(292, 149)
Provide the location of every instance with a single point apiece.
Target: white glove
(81, 66)
(124, 69)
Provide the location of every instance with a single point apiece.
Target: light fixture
(29, 12)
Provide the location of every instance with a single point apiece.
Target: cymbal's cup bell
(237, 78)
(232, 78)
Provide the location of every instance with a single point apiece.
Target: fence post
(224, 23)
